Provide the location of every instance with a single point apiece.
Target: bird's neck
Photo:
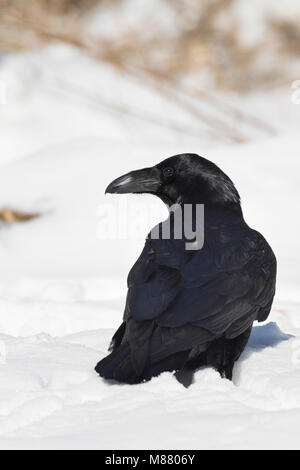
(214, 215)
(220, 216)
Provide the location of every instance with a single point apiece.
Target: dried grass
(207, 46)
(288, 35)
(56, 7)
(207, 43)
(10, 216)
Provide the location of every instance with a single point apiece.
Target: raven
(191, 308)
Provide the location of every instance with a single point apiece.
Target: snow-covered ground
(62, 288)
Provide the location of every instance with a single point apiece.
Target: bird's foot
(185, 376)
(226, 372)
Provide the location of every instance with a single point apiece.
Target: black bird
(186, 308)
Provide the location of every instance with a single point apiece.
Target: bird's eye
(167, 172)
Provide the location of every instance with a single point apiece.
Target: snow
(62, 289)
(61, 403)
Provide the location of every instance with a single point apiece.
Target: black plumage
(185, 308)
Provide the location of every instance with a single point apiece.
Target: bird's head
(183, 179)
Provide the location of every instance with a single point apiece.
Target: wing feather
(177, 300)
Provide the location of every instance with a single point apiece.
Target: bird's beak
(141, 181)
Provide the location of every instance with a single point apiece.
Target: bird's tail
(111, 366)
(162, 350)
(118, 366)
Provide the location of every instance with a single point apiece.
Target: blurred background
(90, 89)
